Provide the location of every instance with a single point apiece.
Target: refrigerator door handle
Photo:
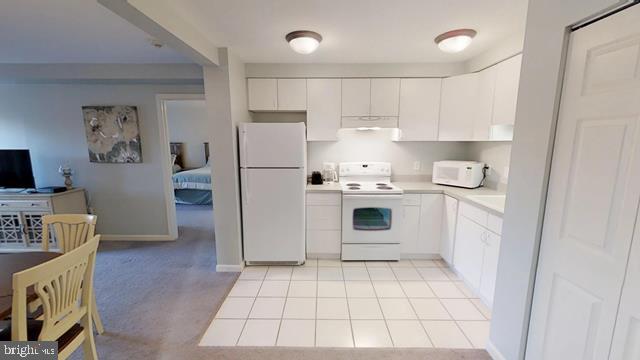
(245, 186)
(245, 154)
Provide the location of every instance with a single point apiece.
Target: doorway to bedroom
(188, 134)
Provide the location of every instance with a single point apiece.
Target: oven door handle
(373, 197)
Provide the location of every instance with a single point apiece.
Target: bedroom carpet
(157, 299)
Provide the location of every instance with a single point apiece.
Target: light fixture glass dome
(455, 41)
(304, 41)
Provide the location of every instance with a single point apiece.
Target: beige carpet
(157, 299)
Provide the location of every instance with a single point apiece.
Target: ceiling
(73, 31)
(354, 31)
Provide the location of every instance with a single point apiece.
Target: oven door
(368, 219)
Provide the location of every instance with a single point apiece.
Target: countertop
(426, 187)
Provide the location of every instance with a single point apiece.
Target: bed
(192, 186)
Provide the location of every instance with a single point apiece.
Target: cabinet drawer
(24, 204)
(324, 241)
(411, 199)
(324, 199)
(473, 213)
(324, 217)
(494, 223)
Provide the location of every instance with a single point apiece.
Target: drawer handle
(34, 204)
(3, 204)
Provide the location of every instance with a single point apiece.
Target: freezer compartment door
(265, 145)
(273, 214)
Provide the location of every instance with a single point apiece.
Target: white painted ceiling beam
(158, 20)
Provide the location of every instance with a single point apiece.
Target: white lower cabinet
(421, 223)
(477, 250)
(324, 223)
(447, 237)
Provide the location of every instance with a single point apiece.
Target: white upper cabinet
(419, 109)
(263, 94)
(385, 96)
(356, 97)
(323, 109)
(292, 94)
(506, 91)
(458, 107)
(484, 104)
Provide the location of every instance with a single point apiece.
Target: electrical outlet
(487, 170)
(417, 165)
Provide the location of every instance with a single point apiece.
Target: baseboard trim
(229, 268)
(116, 237)
(494, 352)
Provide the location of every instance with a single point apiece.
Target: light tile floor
(329, 303)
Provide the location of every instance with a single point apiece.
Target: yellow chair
(64, 287)
(71, 231)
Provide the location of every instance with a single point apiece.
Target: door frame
(165, 156)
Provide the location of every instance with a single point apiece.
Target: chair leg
(95, 316)
(88, 345)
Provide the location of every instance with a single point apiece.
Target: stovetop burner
(382, 184)
(354, 187)
(353, 184)
(384, 187)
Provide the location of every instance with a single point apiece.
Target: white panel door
(410, 230)
(324, 109)
(430, 223)
(626, 337)
(593, 194)
(458, 107)
(385, 97)
(273, 214)
(263, 94)
(489, 266)
(447, 238)
(356, 97)
(506, 91)
(467, 254)
(292, 94)
(272, 145)
(419, 109)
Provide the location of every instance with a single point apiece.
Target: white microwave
(467, 174)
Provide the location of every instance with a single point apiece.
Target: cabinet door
(263, 94)
(483, 103)
(489, 266)
(385, 97)
(292, 94)
(356, 97)
(506, 91)
(468, 252)
(410, 226)
(324, 242)
(419, 109)
(458, 107)
(324, 108)
(447, 238)
(11, 230)
(430, 223)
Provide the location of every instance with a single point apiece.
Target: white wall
(47, 119)
(540, 84)
(188, 124)
(226, 99)
(356, 145)
(497, 155)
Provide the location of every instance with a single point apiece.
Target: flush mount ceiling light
(303, 41)
(455, 40)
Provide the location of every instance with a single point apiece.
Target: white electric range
(371, 212)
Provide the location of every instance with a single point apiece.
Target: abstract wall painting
(113, 134)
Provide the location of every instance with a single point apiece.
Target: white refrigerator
(273, 178)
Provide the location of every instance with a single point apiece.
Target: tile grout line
(384, 317)
(433, 344)
(251, 309)
(346, 299)
(286, 299)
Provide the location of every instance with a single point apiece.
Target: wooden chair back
(63, 285)
(71, 230)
